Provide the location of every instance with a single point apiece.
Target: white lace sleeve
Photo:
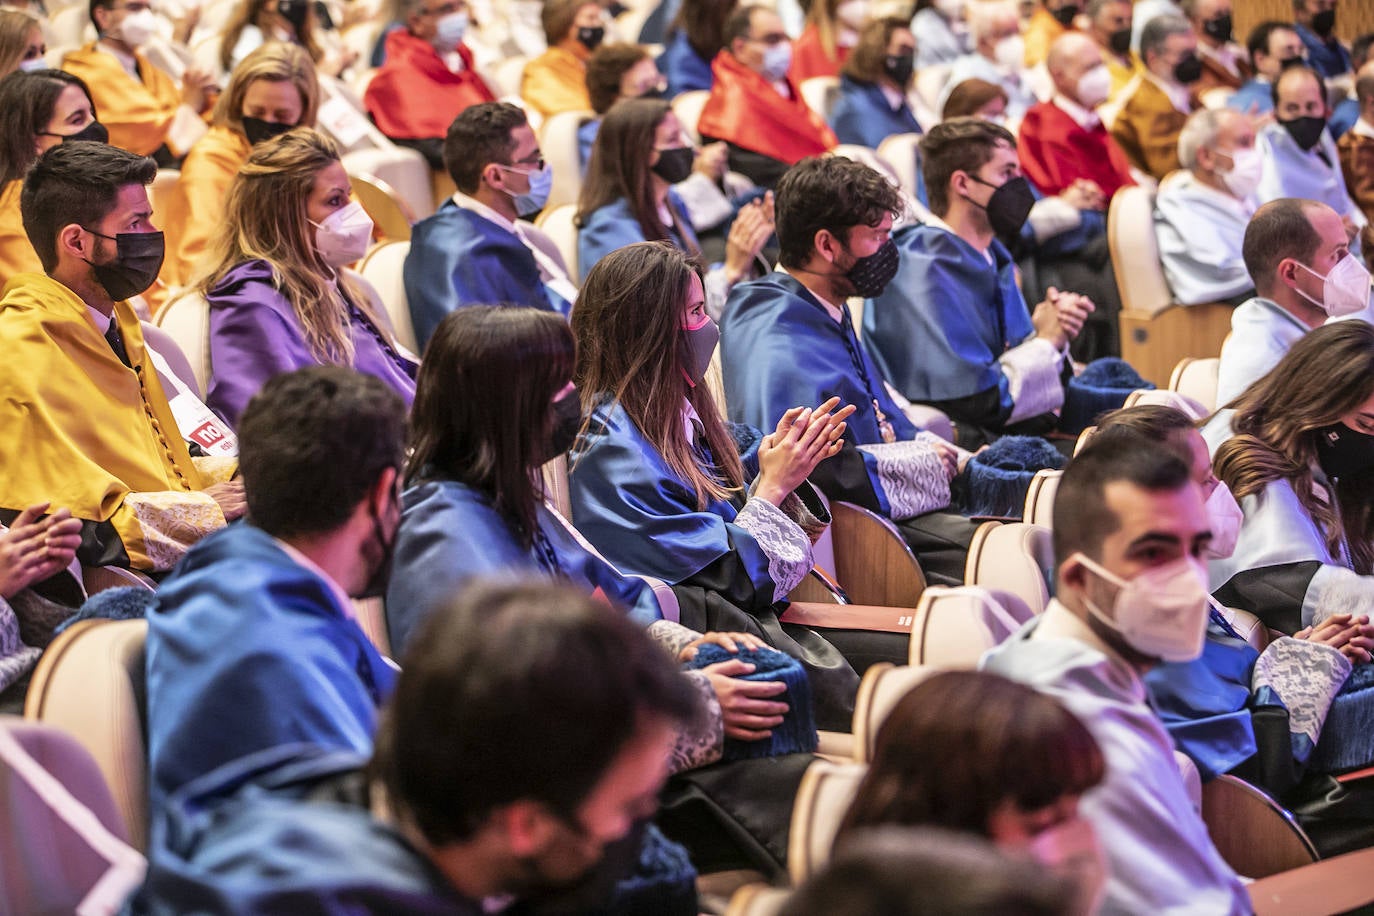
(783, 540)
(703, 741)
(1336, 590)
(1052, 216)
(1032, 371)
(672, 637)
(911, 474)
(1306, 676)
(707, 206)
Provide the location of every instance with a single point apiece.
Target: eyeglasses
(771, 40)
(446, 9)
(535, 164)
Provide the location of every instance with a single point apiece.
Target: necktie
(116, 341)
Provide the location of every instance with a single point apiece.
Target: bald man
(1063, 141)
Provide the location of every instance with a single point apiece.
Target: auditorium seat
(873, 563)
(383, 268)
(506, 77)
(1016, 557)
(1197, 379)
(882, 687)
(903, 153)
(688, 106)
(821, 94)
(1163, 397)
(557, 223)
(391, 215)
(823, 799)
(1254, 834)
(758, 900)
(1039, 508)
(187, 320)
(558, 143)
(955, 626)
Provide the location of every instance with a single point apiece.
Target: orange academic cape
(745, 109)
(809, 58)
(1055, 150)
(415, 95)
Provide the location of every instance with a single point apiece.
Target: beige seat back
(403, 170)
(1162, 397)
(953, 627)
(558, 225)
(1040, 498)
(558, 143)
(62, 828)
(1197, 379)
(508, 76)
(688, 106)
(90, 683)
(869, 158)
(758, 900)
(384, 268)
(1083, 439)
(1017, 558)
(821, 93)
(390, 214)
(881, 689)
(186, 319)
(1135, 251)
(166, 346)
(823, 799)
(930, 85)
(903, 153)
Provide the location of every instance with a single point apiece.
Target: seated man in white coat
(1202, 209)
(1129, 535)
(1298, 255)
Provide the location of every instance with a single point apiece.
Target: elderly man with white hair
(1156, 104)
(999, 54)
(1202, 209)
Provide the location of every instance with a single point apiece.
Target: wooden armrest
(1355, 775)
(849, 617)
(1329, 886)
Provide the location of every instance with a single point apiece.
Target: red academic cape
(415, 95)
(745, 109)
(809, 58)
(1055, 150)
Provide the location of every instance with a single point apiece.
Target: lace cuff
(911, 474)
(1032, 371)
(703, 741)
(783, 540)
(673, 637)
(1306, 677)
(216, 468)
(1336, 590)
(717, 287)
(169, 522)
(1052, 216)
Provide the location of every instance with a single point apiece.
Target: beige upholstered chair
(758, 900)
(187, 320)
(1162, 397)
(821, 93)
(1197, 379)
(955, 626)
(90, 683)
(882, 687)
(823, 798)
(383, 268)
(1016, 558)
(557, 223)
(558, 143)
(688, 106)
(1040, 498)
(390, 213)
(903, 153)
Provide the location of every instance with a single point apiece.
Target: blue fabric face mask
(533, 200)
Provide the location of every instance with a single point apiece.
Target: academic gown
(1343, 117)
(255, 334)
(197, 211)
(1055, 150)
(1325, 55)
(1253, 95)
(615, 226)
(1147, 128)
(809, 58)
(415, 96)
(1291, 171)
(863, 115)
(88, 433)
(1199, 230)
(685, 69)
(459, 258)
(16, 253)
(1356, 149)
(450, 533)
(1262, 332)
(247, 650)
(137, 112)
(940, 327)
(555, 81)
(287, 830)
(644, 519)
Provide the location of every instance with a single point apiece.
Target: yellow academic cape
(1147, 128)
(1040, 33)
(1122, 72)
(197, 210)
(81, 430)
(555, 81)
(16, 254)
(137, 113)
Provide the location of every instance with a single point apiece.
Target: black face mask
(1296, 60)
(1306, 132)
(93, 132)
(871, 274)
(1343, 452)
(1120, 41)
(1218, 29)
(591, 38)
(899, 67)
(1065, 14)
(1009, 205)
(294, 12)
(1324, 22)
(675, 164)
(1188, 70)
(322, 16)
(567, 420)
(137, 262)
(381, 574)
(259, 131)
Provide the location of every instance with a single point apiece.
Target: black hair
(478, 137)
(831, 193)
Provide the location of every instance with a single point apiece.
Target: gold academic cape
(197, 211)
(555, 81)
(138, 113)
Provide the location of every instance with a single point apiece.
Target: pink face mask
(1070, 848)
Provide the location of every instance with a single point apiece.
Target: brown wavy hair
(1326, 375)
(631, 350)
(275, 62)
(254, 12)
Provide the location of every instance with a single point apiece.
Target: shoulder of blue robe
(450, 533)
(863, 116)
(458, 258)
(935, 330)
(643, 518)
(1253, 94)
(237, 602)
(686, 70)
(269, 846)
(586, 139)
(615, 226)
(1346, 113)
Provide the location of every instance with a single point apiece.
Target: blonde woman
(21, 42)
(272, 91)
(279, 296)
(832, 30)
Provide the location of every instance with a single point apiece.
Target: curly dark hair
(831, 193)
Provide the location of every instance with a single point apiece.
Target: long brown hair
(483, 409)
(1327, 374)
(619, 167)
(631, 350)
(15, 26)
(251, 12)
(275, 62)
(704, 23)
(822, 16)
(867, 60)
(265, 219)
(963, 742)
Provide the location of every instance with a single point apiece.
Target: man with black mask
(953, 330)
(1316, 26)
(1273, 47)
(1223, 61)
(1156, 105)
(1109, 26)
(255, 641)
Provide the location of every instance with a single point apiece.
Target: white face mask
(344, 235)
(137, 28)
(1162, 612)
(28, 66)
(451, 30)
(1225, 518)
(853, 13)
(1094, 86)
(1244, 177)
(777, 60)
(1011, 53)
(1071, 848)
(1345, 290)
